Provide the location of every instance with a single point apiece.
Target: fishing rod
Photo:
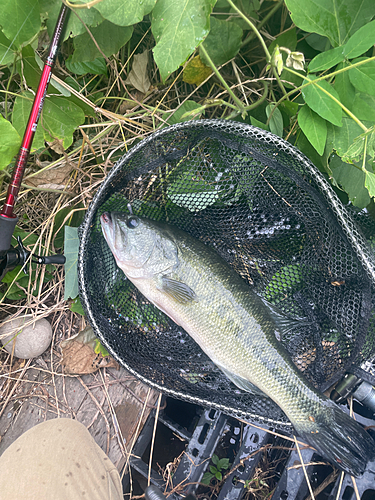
(11, 257)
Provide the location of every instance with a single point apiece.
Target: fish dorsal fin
(242, 383)
(181, 292)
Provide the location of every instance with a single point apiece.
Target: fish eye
(132, 222)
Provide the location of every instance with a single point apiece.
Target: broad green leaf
(326, 60)
(76, 307)
(74, 27)
(360, 42)
(363, 106)
(215, 459)
(178, 115)
(314, 128)
(259, 124)
(71, 246)
(363, 77)
(344, 87)
(287, 39)
(19, 20)
(352, 180)
(370, 183)
(20, 117)
(289, 107)
(195, 72)
(335, 19)
(59, 119)
(213, 469)
(223, 41)
(96, 67)
(28, 68)
(304, 145)
(9, 144)
(219, 476)
(125, 13)
(108, 36)
(178, 26)
(340, 138)
(6, 52)
(291, 80)
(316, 98)
(276, 120)
(247, 7)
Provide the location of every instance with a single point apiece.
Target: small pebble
(32, 340)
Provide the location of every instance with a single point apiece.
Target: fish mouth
(106, 218)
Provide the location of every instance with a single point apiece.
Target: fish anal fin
(179, 291)
(242, 383)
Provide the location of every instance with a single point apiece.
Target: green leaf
(69, 216)
(370, 183)
(287, 39)
(96, 67)
(206, 479)
(187, 106)
(20, 117)
(316, 98)
(258, 124)
(360, 42)
(213, 469)
(19, 20)
(178, 26)
(125, 13)
(100, 349)
(340, 138)
(223, 464)
(363, 106)
(276, 121)
(71, 247)
(335, 19)
(247, 7)
(352, 180)
(6, 52)
(76, 307)
(223, 41)
(314, 128)
(59, 119)
(215, 459)
(91, 17)
(9, 144)
(219, 476)
(195, 72)
(29, 69)
(326, 60)
(289, 107)
(363, 77)
(344, 87)
(109, 37)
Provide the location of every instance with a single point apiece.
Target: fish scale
(235, 327)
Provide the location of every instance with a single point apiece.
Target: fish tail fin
(339, 439)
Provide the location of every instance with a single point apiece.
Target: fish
(237, 329)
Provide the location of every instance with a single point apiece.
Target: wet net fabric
(272, 216)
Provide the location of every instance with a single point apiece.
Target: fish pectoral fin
(242, 383)
(181, 292)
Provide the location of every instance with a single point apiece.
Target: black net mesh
(271, 215)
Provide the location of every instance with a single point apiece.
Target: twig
(153, 440)
(304, 469)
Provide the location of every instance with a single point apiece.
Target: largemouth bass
(234, 326)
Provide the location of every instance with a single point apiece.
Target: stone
(32, 340)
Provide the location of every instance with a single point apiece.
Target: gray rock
(32, 340)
